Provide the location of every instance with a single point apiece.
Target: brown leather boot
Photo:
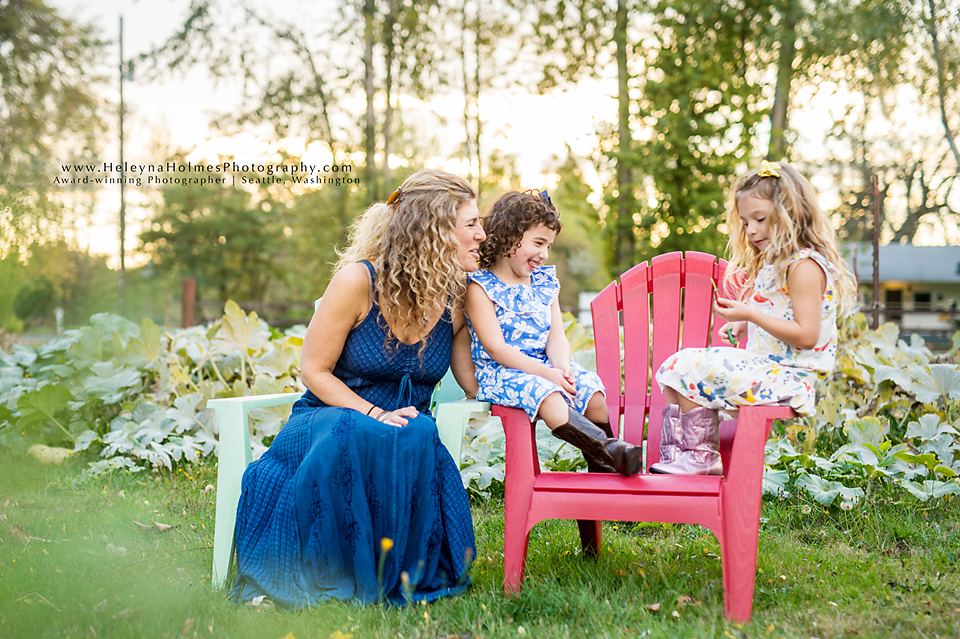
(594, 465)
(592, 441)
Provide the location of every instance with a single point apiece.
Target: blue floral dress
(525, 317)
(317, 505)
(766, 370)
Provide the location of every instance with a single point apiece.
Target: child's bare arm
(806, 282)
(483, 318)
(558, 346)
(460, 362)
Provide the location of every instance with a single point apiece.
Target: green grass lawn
(75, 563)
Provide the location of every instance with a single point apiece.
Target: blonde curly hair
(797, 222)
(413, 246)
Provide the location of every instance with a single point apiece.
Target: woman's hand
(400, 416)
(739, 331)
(559, 377)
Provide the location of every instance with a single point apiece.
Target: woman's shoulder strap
(370, 269)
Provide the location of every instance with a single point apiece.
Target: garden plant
(107, 503)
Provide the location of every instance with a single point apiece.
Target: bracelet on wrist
(370, 410)
(382, 414)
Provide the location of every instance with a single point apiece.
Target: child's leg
(673, 397)
(597, 409)
(554, 410)
(592, 440)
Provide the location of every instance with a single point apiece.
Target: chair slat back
(650, 297)
(635, 293)
(667, 288)
(727, 290)
(698, 274)
(606, 330)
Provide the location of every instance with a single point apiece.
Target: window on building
(921, 301)
(893, 301)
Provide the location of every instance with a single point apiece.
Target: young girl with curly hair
(521, 354)
(786, 247)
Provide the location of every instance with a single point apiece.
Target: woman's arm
(483, 317)
(806, 282)
(344, 305)
(460, 361)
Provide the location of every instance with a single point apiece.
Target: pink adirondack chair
(648, 300)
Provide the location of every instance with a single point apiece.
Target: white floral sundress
(767, 370)
(524, 315)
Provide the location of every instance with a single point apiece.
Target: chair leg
(514, 558)
(590, 536)
(519, 477)
(739, 560)
(233, 460)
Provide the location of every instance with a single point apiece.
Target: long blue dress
(316, 506)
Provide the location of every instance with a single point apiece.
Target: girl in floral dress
(784, 243)
(521, 354)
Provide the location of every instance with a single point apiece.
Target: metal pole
(876, 253)
(188, 301)
(123, 205)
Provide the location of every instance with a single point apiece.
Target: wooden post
(188, 301)
(876, 253)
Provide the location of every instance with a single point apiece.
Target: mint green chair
(452, 415)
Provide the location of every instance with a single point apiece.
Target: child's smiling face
(533, 251)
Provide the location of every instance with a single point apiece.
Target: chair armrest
(452, 419)
(232, 413)
(746, 454)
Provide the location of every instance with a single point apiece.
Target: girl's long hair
(797, 222)
(413, 246)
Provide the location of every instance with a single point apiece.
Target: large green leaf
(110, 383)
(826, 491)
(277, 360)
(928, 460)
(144, 348)
(775, 482)
(929, 428)
(885, 336)
(46, 405)
(867, 430)
(931, 382)
(899, 376)
(932, 488)
(244, 332)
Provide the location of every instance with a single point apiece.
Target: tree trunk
(466, 87)
(390, 46)
(476, 96)
(370, 125)
(623, 237)
(941, 82)
(781, 102)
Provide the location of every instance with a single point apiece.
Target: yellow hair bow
(769, 169)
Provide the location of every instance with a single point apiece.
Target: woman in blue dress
(358, 478)
(521, 354)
